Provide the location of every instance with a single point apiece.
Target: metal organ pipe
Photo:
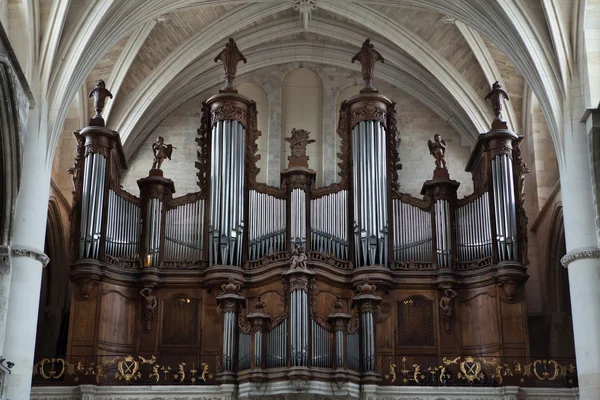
(443, 233)
(226, 193)
(329, 224)
(370, 192)
(122, 227)
(412, 232)
(92, 201)
(504, 207)
(267, 224)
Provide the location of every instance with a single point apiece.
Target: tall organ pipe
(505, 213)
(226, 193)
(92, 201)
(370, 192)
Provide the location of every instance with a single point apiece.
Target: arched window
(302, 108)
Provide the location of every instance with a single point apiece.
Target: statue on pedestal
(161, 151)
(496, 96)
(298, 260)
(437, 149)
(149, 307)
(298, 142)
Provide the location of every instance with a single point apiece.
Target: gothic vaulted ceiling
(154, 55)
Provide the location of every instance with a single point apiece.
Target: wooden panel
(274, 303)
(385, 329)
(211, 325)
(117, 318)
(512, 323)
(83, 318)
(478, 319)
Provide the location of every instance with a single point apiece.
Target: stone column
(28, 258)
(583, 255)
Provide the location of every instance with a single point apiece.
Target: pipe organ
(299, 282)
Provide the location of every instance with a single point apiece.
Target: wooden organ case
(248, 282)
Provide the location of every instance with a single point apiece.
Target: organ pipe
(370, 193)
(226, 224)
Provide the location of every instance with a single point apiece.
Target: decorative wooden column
(232, 125)
(497, 166)
(370, 148)
(297, 280)
(229, 302)
(155, 190)
(260, 323)
(297, 178)
(339, 321)
(367, 302)
(442, 192)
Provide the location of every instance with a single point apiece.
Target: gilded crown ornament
(230, 56)
(368, 57)
(99, 93)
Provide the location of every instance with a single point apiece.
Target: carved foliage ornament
(521, 169)
(252, 156)
(228, 112)
(203, 141)
(85, 287)
(393, 142)
(370, 112)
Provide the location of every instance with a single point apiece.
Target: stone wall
(417, 123)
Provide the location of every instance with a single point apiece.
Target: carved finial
(367, 57)
(230, 56)
(437, 148)
(161, 151)
(495, 96)
(99, 93)
(298, 142)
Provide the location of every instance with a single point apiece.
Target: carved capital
(85, 287)
(299, 282)
(35, 254)
(500, 150)
(370, 112)
(228, 112)
(227, 305)
(580, 254)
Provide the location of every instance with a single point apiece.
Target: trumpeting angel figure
(161, 151)
(437, 149)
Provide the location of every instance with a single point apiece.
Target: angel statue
(437, 149)
(161, 151)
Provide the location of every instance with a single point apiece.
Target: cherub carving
(150, 307)
(437, 149)
(298, 260)
(161, 151)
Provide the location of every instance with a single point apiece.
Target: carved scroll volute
(343, 131)
(393, 142)
(230, 56)
(521, 168)
(77, 178)
(368, 57)
(203, 154)
(252, 156)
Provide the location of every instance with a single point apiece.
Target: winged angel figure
(161, 151)
(437, 148)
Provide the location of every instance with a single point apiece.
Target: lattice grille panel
(415, 322)
(181, 319)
